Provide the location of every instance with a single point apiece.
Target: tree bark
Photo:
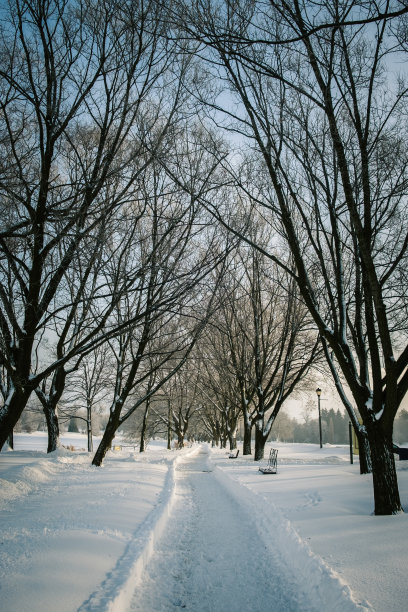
(52, 426)
(142, 446)
(386, 495)
(89, 428)
(11, 413)
(260, 441)
(364, 453)
(247, 448)
(11, 440)
(169, 431)
(106, 441)
(180, 440)
(232, 438)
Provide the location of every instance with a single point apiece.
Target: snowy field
(193, 529)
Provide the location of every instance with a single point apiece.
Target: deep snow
(193, 529)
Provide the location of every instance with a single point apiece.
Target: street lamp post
(318, 393)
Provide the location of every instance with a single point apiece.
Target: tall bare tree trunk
(386, 494)
(11, 413)
(142, 446)
(247, 446)
(260, 440)
(106, 442)
(51, 419)
(364, 453)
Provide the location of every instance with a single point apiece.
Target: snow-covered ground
(193, 529)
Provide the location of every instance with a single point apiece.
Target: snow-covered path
(211, 556)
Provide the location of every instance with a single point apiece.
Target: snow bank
(66, 525)
(25, 480)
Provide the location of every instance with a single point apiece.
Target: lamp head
(318, 391)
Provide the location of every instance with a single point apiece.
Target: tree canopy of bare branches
(326, 113)
(89, 90)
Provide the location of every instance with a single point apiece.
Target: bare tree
(86, 394)
(284, 344)
(184, 397)
(218, 388)
(224, 361)
(263, 345)
(71, 322)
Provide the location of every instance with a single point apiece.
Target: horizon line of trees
(335, 428)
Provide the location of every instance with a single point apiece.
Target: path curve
(211, 556)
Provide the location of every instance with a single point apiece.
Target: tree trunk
(169, 432)
(364, 453)
(142, 446)
(11, 413)
(260, 440)
(49, 403)
(232, 438)
(386, 495)
(247, 449)
(106, 441)
(11, 440)
(51, 419)
(180, 440)
(89, 429)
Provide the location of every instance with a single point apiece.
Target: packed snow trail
(211, 556)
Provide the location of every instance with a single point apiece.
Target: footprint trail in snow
(211, 556)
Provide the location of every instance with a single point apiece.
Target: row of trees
(101, 249)
(259, 348)
(316, 96)
(155, 420)
(129, 227)
(109, 262)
